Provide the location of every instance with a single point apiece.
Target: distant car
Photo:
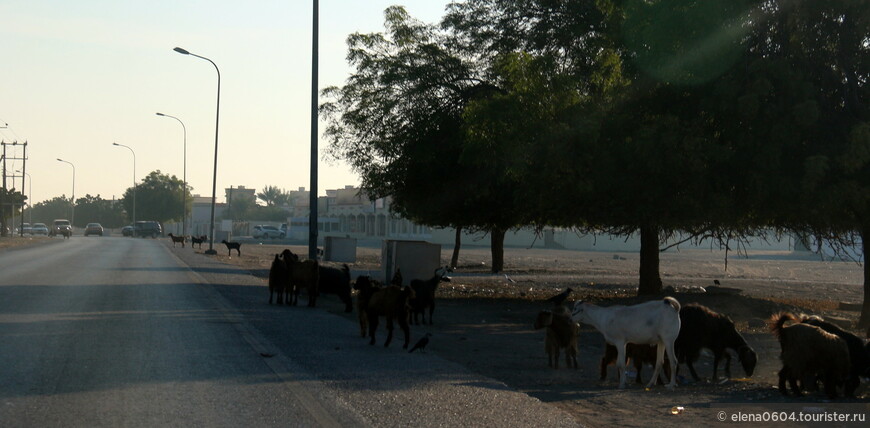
(94, 229)
(60, 227)
(26, 229)
(147, 228)
(127, 231)
(39, 229)
(268, 232)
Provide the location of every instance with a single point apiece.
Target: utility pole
(13, 176)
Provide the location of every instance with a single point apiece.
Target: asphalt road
(132, 332)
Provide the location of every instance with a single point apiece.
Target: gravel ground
(483, 322)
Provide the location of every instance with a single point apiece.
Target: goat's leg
(660, 358)
(555, 356)
(604, 364)
(373, 325)
(672, 361)
(692, 370)
(403, 324)
(638, 366)
(719, 355)
(781, 384)
(620, 364)
(431, 310)
(573, 350)
(389, 331)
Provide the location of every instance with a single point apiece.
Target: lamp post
(312, 216)
(184, 196)
(211, 249)
(72, 218)
(134, 179)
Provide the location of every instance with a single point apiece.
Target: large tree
(404, 120)
(159, 197)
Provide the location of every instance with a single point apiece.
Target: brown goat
(562, 332)
(305, 273)
(808, 351)
(177, 239)
(392, 303)
(365, 286)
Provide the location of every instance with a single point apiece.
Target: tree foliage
(11, 202)
(159, 197)
(94, 209)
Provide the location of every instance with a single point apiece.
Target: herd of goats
(654, 332)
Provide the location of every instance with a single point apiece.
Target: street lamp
(72, 218)
(211, 249)
(312, 216)
(184, 203)
(134, 179)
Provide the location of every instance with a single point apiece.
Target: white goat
(650, 323)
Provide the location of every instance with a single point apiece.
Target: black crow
(421, 344)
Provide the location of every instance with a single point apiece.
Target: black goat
(700, 328)
(198, 240)
(424, 292)
(233, 246)
(859, 360)
(279, 279)
(336, 281)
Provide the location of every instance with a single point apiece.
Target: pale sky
(76, 76)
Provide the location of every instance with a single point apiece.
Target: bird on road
(421, 344)
(560, 298)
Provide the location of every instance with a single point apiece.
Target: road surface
(132, 332)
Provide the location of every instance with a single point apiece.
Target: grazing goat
(278, 279)
(198, 240)
(336, 281)
(365, 287)
(425, 294)
(809, 351)
(392, 303)
(177, 239)
(858, 356)
(562, 333)
(305, 273)
(638, 354)
(232, 246)
(651, 323)
(703, 328)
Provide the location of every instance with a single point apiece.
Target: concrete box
(338, 249)
(416, 259)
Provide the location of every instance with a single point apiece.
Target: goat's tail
(776, 322)
(673, 302)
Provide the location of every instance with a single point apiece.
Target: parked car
(147, 228)
(127, 231)
(94, 229)
(268, 232)
(39, 229)
(60, 227)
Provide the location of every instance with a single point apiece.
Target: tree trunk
(864, 321)
(497, 248)
(456, 244)
(650, 280)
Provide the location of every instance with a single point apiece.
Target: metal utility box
(338, 249)
(416, 259)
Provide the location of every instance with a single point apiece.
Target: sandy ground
(484, 322)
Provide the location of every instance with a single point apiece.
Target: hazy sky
(76, 76)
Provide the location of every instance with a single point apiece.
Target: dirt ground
(484, 322)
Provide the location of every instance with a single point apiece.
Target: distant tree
(54, 208)
(94, 209)
(273, 196)
(159, 197)
(11, 202)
